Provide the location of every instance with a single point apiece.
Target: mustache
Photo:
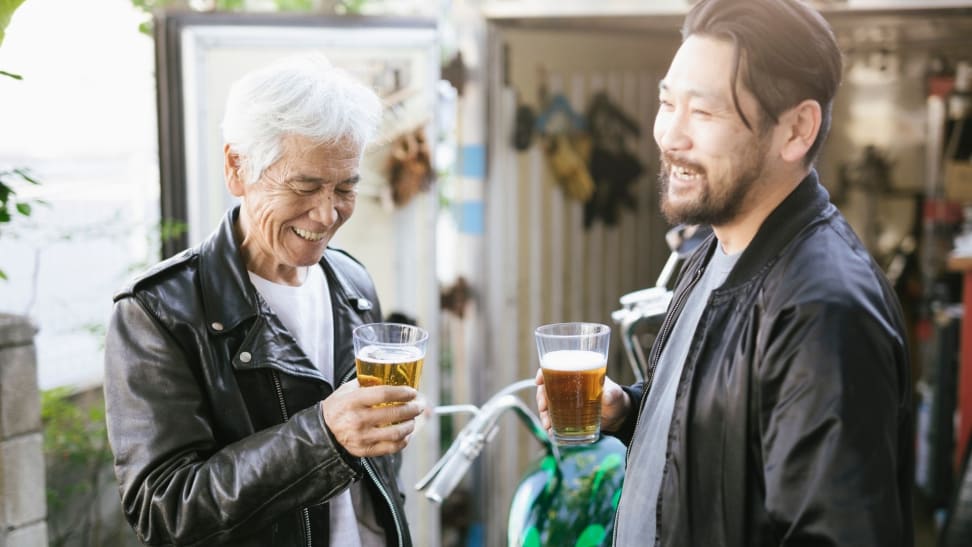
(669, 160)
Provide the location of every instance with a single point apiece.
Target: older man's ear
(232, 171)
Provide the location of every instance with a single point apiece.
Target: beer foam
(572, 360)
(390, 355)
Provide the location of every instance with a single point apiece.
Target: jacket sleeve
(179, 485)
(625, 431)
(831, 405)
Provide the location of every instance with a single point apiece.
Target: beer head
(568, 360)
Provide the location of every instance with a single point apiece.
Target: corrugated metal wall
(542, 264)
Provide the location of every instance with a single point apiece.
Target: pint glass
(389, 354)
(573, 357)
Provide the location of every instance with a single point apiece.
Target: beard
(719, 204)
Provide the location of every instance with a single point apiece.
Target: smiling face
(712, 165)
(290, 213)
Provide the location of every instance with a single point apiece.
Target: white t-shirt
(306, 312)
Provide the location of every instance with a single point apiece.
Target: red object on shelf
(942, 210)
(964, 426)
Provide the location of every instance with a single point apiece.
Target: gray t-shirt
(646, 457)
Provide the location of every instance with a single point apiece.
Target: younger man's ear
(801, 125)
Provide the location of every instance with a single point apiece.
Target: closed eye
(305, 189)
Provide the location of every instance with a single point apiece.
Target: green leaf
(293, 5)
(24, 209)
(171, 228)
(229, 5)
(25, 174)
(4, 72)
(7, 8)
(3, 275)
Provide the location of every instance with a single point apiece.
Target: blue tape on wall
(472, 161)
(470, 217)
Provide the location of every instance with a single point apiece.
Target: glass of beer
(573, 357)
(389, 354)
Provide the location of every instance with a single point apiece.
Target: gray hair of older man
(301, 95)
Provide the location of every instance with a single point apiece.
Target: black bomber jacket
(212, 408)
(792, 422)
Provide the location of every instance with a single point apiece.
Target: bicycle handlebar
(445, 475)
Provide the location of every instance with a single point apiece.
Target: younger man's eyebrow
(705, 95)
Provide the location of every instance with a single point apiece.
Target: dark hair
(784, 50)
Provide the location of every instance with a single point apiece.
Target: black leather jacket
(792, 420)
(213, 413)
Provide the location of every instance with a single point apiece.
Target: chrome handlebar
(445, 475)
(638, 308)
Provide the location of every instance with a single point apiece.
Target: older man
(233, 411)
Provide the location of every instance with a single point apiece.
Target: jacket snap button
(245, 357)
(217, 326)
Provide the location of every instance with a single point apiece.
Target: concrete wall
(23, 508)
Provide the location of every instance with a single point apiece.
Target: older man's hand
(365, 429)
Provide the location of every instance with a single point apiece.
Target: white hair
(302, 95)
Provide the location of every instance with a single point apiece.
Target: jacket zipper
(391, 505)
(278, 387)
(366, 463)
(659, 342)
(665, 332)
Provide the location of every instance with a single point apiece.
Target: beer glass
(389, 354)
(573, 357)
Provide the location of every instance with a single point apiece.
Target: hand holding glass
(389, 354)
(573, 358)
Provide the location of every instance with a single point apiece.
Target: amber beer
(389, 366)
(573, 381)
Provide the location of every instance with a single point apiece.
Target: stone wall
(23, 508)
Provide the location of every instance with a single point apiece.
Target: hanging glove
(569, 168)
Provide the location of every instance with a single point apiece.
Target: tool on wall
(613, 168)
(567, 146)
(409, 166)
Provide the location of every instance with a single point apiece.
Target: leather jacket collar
(228, 296)
(794, 214)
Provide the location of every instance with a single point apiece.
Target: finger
(384, 440)
(609, 383)
(400, 413)
(350, 385)
(381, 416)
(541, 392)
(376, 395)
(427, 408)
